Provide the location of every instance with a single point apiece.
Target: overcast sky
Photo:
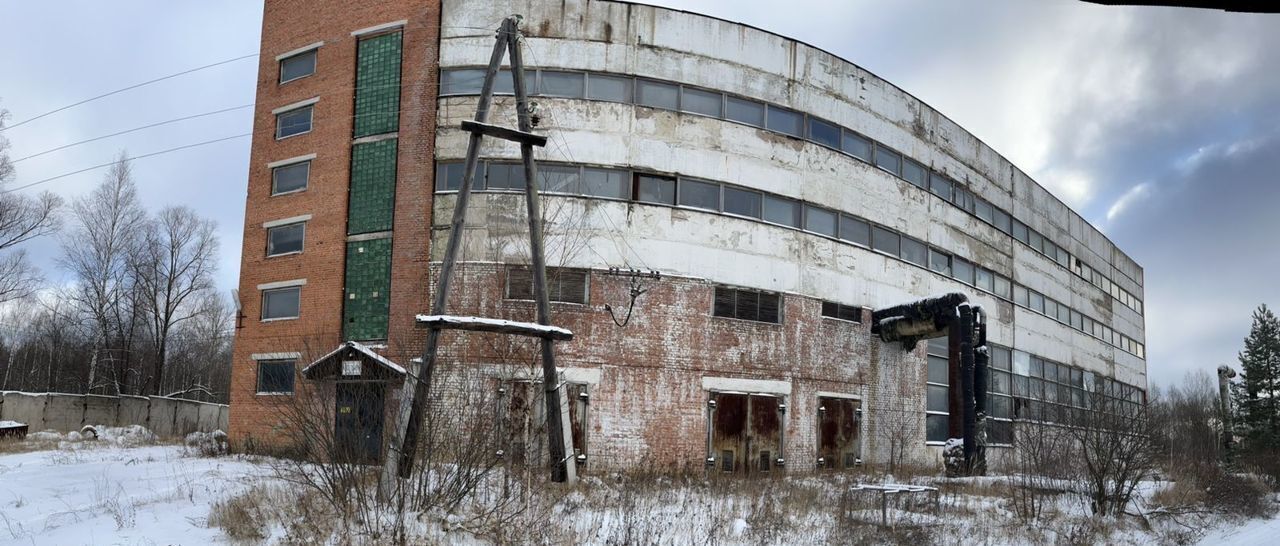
(1161, 126)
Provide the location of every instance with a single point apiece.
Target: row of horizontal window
(684, 98)
(727, 199)
(1025, 386)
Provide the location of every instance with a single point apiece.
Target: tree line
(138, 312)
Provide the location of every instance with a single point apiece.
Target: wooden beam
(479, 324)
(504, 133)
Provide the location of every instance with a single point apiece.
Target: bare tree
(175, 263)
(198, 362)
(109, 226)
(22, 218)
(1111, 441)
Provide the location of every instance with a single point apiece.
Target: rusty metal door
(746, 432)
(839, 433)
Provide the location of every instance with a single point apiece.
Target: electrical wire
(123, 89)
(133, 130)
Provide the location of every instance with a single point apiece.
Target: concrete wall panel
(186, 418)
(102, 410)
(64, 412)
(163, 415)
(134, 410)
(24, 408)
(208, 416)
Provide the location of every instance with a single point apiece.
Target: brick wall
(288, 25)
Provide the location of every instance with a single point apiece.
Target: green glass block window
(378, 85)
(373, 186)
(368, 283)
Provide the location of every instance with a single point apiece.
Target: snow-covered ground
(113, 492)
(124, 489)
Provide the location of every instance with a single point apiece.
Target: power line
(135, 129)
(109, 163)
(123, 89)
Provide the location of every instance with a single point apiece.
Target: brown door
(839, 433)
(746, 432)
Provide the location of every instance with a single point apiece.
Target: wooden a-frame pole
(413, 399)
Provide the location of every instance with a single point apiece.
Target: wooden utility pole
(404, 440)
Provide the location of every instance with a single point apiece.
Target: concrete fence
(167, 417)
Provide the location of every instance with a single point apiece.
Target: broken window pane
(559, 179)
(939, 262)
(654, 189)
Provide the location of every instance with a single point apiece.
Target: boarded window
(745, 304)
(563, 284)
(840, 311)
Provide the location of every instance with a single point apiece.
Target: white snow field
(68, 489)
(115, 490)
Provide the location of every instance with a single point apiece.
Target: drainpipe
(967, 387)
(981, 374)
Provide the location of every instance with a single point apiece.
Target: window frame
(293, 380)
(312, 50)
(267, 292)
(302, 245)
(310, 108)
(275, 168)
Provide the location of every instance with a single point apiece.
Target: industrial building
(771, 195)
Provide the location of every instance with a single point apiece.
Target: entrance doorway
(746, 432)
(839, 432)
(358, 421)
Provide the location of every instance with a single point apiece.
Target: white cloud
(1134, 194)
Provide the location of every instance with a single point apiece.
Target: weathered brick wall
(288, 25)
(650, 404)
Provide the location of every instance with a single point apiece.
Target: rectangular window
(1020, 295)
(744, 111)
(986, 279)
(854, 230)
(939, 262)
(290, 178)
(285, 239)
(884, 240)
(1002, 287)
(888, 160)
(657, 94)
(1001, 359)
(939, 371)
(1020, 231)
(1064, 314)
(281, 303)
(938, 396)
(826, 134)
(840, 311)
(857, 146)
(697, 101)
(781, 211)
(563, 285)
(820, 221)
(297, 66)
(940, 186)
(559, 179)
(700, 195)
(1035, 240)
(608, 183)
(984, 211)
(962, 270)
(1051, 308)
(504, 176)
(916, 174)
(504, 84)
(962, 198)
(275, 376)
(461, 82)
(1037, 301)
(562, 84)
(915, 252)
(449, 177)
(1001, 220)
(785, 121)
(745, 304)
(610, 88)
(742, 202)
(655, 189)
(936, 428)
(293, 122)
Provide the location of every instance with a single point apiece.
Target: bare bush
(1112, 447)
(1039, 457)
